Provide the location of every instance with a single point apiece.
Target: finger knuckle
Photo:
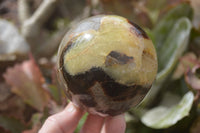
(52, 120)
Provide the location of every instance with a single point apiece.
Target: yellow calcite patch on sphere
(91, 48)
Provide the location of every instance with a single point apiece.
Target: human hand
(67, 120)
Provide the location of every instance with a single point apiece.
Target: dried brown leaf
(189, 60)
(27, 82)
(36, 123)
(192, 78)
(13, 106)
(2, 130)
(4, 92)
(195, 128)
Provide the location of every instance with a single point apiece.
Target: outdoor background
(31, 30)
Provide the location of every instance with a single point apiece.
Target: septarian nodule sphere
(106, 64)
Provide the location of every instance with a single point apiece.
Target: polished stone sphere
(106, 64)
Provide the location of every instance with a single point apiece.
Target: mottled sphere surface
(106, 64)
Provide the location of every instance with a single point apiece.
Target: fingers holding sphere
(67, 120)
(63, 122)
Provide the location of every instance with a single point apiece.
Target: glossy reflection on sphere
(106, 64)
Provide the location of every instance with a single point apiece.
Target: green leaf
(11, 124)
(154, 9)
(173, 47)
(171, 39)
(166, 24)
(56, 93)
(81, 122)
(169, 54)
(164, 117)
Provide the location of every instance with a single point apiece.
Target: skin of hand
(67, 120)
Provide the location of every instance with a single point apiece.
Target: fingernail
(71, 108)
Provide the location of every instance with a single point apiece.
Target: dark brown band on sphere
(113, 112)
(139, 31)
(81, 84)
(89, 101)
(68, 46)
(115, 57)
